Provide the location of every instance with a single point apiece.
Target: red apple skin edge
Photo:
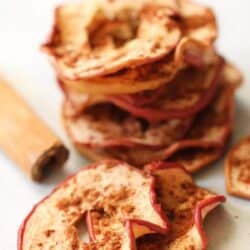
(163, 230)
(199, 214)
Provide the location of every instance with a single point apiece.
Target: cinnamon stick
(25, 138)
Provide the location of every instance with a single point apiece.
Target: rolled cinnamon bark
(25, 138)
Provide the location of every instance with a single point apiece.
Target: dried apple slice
(237, 169)
(186, 206)
(190, 32)
(123, 34)
(189, 92)
(104, 125)
(121, 194)
(148, 76)
(91, 39)
(77, 102)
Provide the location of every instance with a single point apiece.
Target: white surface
(23, 26)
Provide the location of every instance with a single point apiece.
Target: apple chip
(186, 206)
(149, 76)
(190, 92)
(122, 196)
(98, 38)
(237, 169)
(104, 125)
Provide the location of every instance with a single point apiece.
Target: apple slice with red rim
(237, 169)
(189, 92)
(104, 126)
(122, 196)
(186, 206)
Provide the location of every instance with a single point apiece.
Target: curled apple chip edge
(186, 205)
(105, 187)
(237, 169)
(70, 48)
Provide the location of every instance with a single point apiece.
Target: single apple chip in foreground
(237, 169)
(123, 197)
(122, 204)
(185, 204)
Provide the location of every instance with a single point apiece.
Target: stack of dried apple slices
(159, 207)
(143, 81)
(193, 142)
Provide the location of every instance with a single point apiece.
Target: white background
(23, 26)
